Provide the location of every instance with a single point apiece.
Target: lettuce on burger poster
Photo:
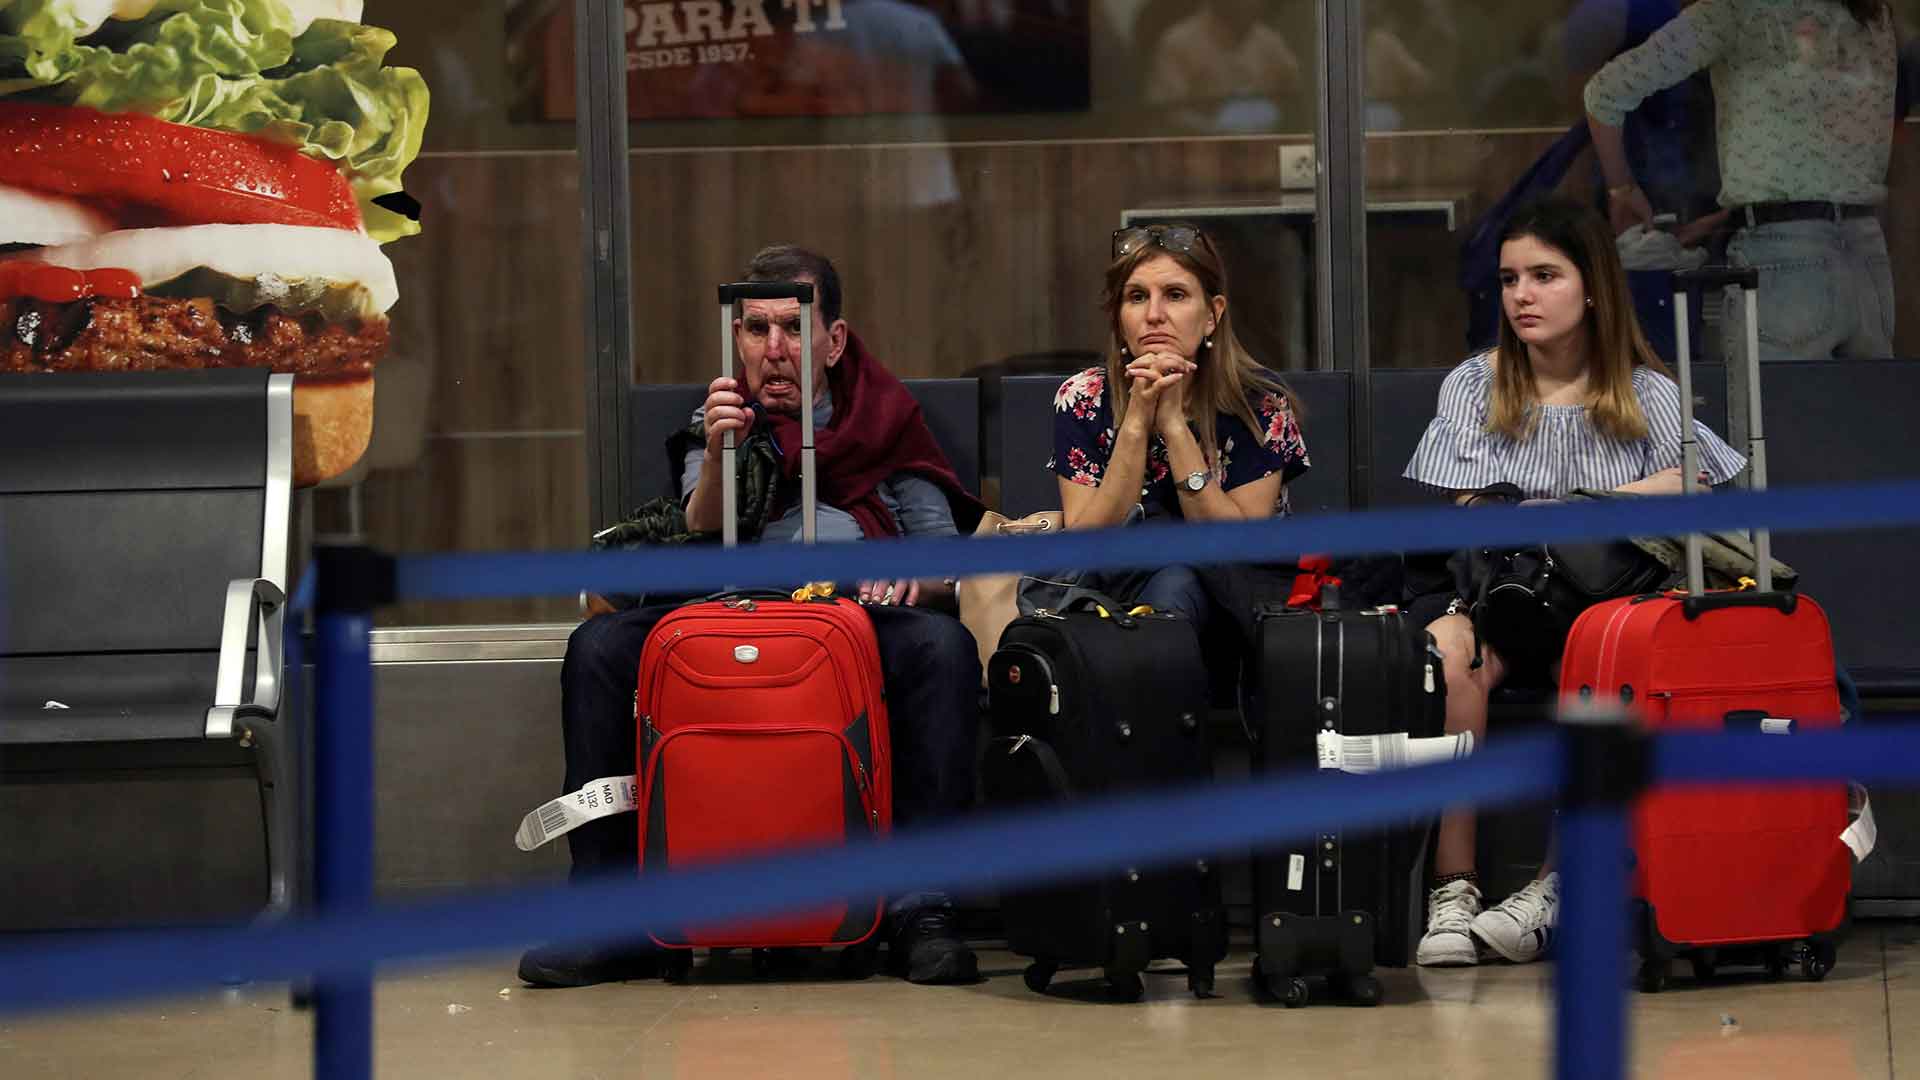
(192, 184)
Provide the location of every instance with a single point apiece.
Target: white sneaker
(1448, 942)
(1520, 927)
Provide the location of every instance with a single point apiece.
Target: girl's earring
(1589, 301)
(1209, 343)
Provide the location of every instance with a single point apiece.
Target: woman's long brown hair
(1615, 345)
(1228, 375)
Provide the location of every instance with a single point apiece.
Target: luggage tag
(599, 798)
(1361, 754)
(1862, 834)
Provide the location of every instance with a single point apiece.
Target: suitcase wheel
(676, 965)
(1361, 990)
(1818, 960)
(1777, 964)
(774, 963)
(1653, 975)
(1201, 983)
(1705, 963)
(860, 961)
(1126, 988)
(1039, 975)
(1293, 993)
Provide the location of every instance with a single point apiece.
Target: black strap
(1049, 761)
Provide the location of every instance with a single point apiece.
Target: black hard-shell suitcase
(1090, 702)
(1334, 905)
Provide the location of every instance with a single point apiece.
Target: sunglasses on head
(1184, 239)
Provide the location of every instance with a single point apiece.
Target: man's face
(768, 335)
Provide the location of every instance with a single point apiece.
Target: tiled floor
(478, 1021)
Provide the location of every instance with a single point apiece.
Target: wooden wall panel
(506, 493)
(491, 292)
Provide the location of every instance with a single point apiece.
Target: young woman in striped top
(1572, 397)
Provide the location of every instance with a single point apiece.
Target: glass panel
(964, 162)
(1467, 106)
(479, 441)
(1793, 108)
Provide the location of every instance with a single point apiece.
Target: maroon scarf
(876, 431)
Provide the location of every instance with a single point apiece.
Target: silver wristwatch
(1196, 481)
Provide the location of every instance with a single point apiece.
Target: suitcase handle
(1121, 615)
(1758, 720)
(766, 290)
(741, 594)
(1685, 284)
(1699, 604)
(1713, 277)
(730, 295)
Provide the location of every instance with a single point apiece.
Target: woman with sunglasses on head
(1571, 397)
(1180, 423)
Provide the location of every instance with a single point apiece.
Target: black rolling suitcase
(1331, 907)
(1096, 701)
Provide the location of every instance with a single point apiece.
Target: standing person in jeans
(1805, 93)
(881, 475)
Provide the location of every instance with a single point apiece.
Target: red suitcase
(762, 726)
(1724, 874)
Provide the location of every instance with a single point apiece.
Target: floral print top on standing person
(1083, 436)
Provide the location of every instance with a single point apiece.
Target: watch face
(1196, 481)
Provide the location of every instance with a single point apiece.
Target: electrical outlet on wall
(1296, 167)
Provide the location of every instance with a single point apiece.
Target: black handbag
(1524, 600)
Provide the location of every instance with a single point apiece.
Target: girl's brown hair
(1227, 374)
(1615, 345)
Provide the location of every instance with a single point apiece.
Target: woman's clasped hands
(1158, 389)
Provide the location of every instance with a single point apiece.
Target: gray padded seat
(142, 573)
(1841, 422)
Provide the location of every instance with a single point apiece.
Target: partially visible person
(1180, 423)
(1668, 139)
(1225, 57)
(1805, 97)
(1572, 397)
(881, 474)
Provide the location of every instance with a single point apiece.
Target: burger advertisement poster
(193, 184)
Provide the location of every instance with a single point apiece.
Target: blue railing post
(352, 582)
(1605, 767)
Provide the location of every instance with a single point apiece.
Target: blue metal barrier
(1594, 769)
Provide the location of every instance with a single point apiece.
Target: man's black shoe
(563, 965)
(926, 950)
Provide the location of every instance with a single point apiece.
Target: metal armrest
(256, 607)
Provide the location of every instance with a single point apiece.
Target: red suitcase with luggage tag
(1724, 874)
(762, 724)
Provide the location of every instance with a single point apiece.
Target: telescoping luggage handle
(1685, 284)
(730, 297)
